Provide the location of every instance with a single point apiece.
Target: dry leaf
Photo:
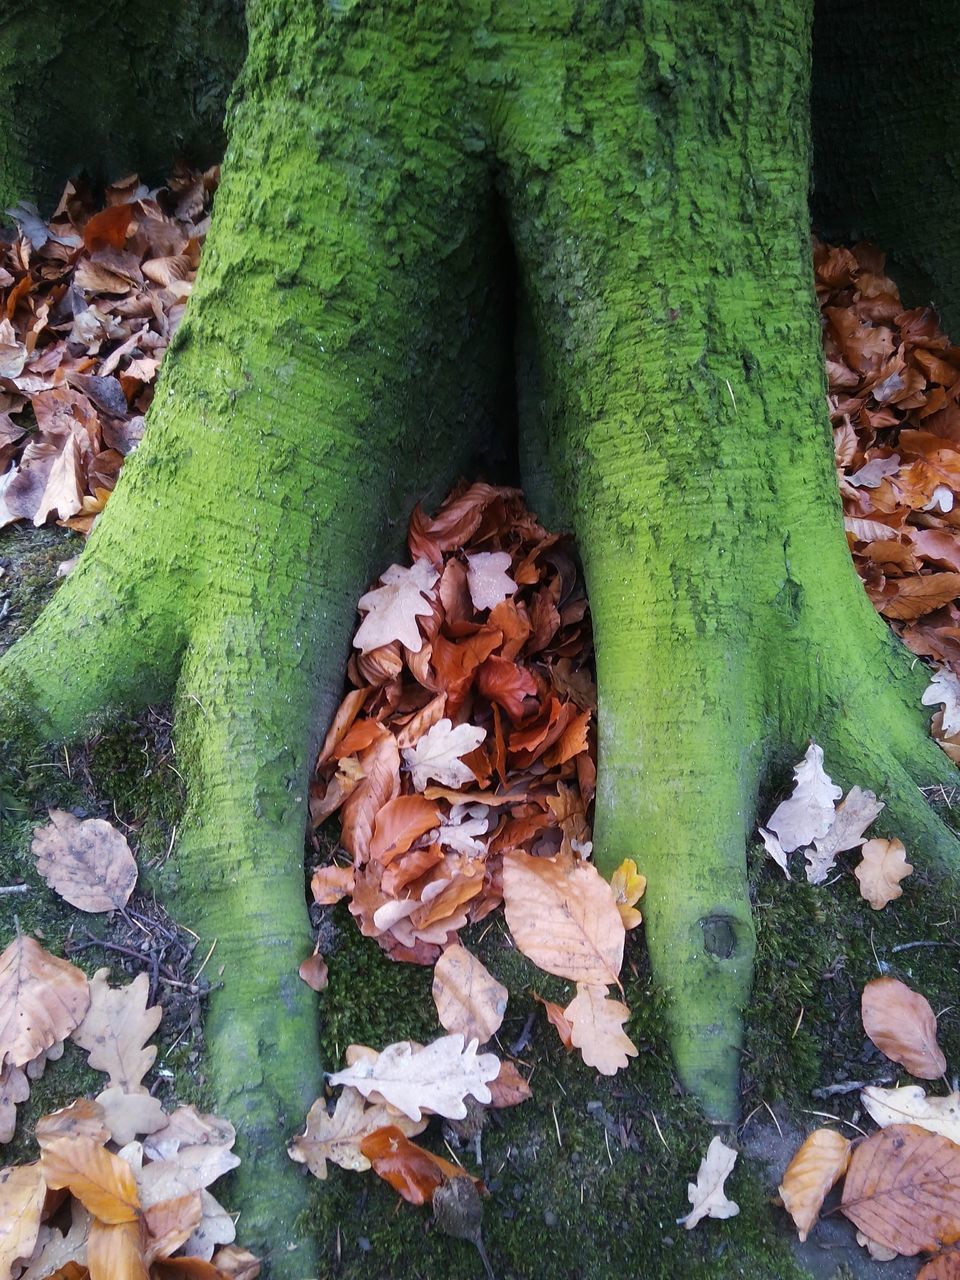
(187, 1127)
(14, 1088)
(115, 1251)
(131, 1115)
(596, 1029)
(628, 887)
(878, 1252)
(237, 1263)
(558, 1019)
(56, 1252)
(116, 1028)
(808, 813)
(337, 1137)
(469, 999)
(509, 1088)
(314, 971)
(852, 818)
(775, 850)
(816, 1167)
(883, 866)
(563, 917)
(488, 580)
(22, 1193)
(412, 1171)
(82, 1119)
(435, 1078)
(88, 863)
(103, 1183)
(903, 1189)
(215, 1227)
(902, 1025)
(707, 1194)
(330, 884)
(191, 1169)
(170, 1223)
(945, 1266)
(910, 1105)
(392, 609)
(945, 688)
(42, 999)
(437, 754)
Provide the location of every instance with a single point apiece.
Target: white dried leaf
(872, 473)
(852, 818)
(487, 578)
(910, 1105)
(393, 608)
(945, 688)
(437, 754)
(464, 829)
(809, 812)
(775, 850)
(707, 1194)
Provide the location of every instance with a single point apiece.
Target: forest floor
(586, 1179)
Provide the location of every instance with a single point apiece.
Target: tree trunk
(113, 87)
(342, 356)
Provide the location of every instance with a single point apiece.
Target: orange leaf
(314, 971)
(902, 1025)
(411, 1170)
(400, 822)
(171, 1223)
(507, 684)
(816, 1167)
(108, 228)
(884, 864)
(115, 1251)
(596, 1029)
(903, 1189)
(102, 1182)
(510, 1088)
(557, 1017)
(330, 884)
(42, 999)
(380, 783)
(918, 595)
(945, 1266)
(469, 999)
(185, 1269)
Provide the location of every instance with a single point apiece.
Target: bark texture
(113, 87)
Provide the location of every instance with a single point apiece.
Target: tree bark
(108, 88)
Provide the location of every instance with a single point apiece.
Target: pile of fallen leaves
(88, 304)
(120, 1189)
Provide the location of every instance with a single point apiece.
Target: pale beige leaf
(63, 492)
(596, 1029)
(36, 1066)
(314, 971)
(468, 997)
(115, 1251)
(88, 863)
(101, 1181)
(945, 688)
(191, 1169)
(910, 1105)
(188, 1127)
(42, 999)
(14, 1088)
(564, 917)
(22, 1193)
(488, 580)
(435, 1079)
(215, 1227)
(237, 1263)
(82, 1119)
(852, 818)
(392, 609)
(902, 1025)
(337, 1137)
(116, 1029)
(131, 1115)
(816, 1167)
(883, 866)
(808, 813)
(437, 754)
(170, 1223)
(878, 1252)
(775, 850)
(706, 1194)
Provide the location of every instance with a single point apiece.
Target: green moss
(29, 559)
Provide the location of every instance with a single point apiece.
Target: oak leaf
(314, 971)
(215, 1227)
(463, 829)
(945, 688)
(816, 1167)
(56, 1253)
(22, 1193)
(116, 1028)
(706, 1194)
(628, 887)
(102, 1182)
(42, 999)
(437, 754)
(808, 812)
(563, 917)
(411, 1170)
(596, 1029)
(393, 608)
(188, 1127)
(468, 997)
(337, 1137)
(399, 823)
(853, 816)
(435, 1079)
(902, 1025)
(14, 1088)
(910, 1105)
(193, 1168)
(883, 866)
(903, 1189)
(88, 863)
(488, 580)
(131, 1115)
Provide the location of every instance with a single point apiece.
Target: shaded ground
(587, 1179)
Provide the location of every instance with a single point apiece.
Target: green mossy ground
(581, 1183)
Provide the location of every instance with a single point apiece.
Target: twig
(848, 1086)
(910, 946)
(14, 888)
(523, 1039)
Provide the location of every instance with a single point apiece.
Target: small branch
(910, 946)
(14, 888)
(848, 1086)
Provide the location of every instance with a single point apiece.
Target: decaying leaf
(56, 1252)
(808, 813)
(910, 1105)
(337, 1137)
(468, 997)
(22, 1193)
(816, 1167)
(193, 1168)
(435, 1078)
(903, 1189)
(215, 1227)
(563, 917)
(438, 754)
(706, 1194)
(88, 863)
(902, 1025)
(509, 1088)
(411, 1170)
(596, 1029)
(42, 999)
(393, 608)
(883, 866)
(116, 1028)
(102, 1182)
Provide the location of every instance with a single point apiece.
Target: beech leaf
(628, 887)
(42, 999)
(910, 1105)
(411, 1170)
(468, 997)
(435, 1078)
(816, 1167)
(393, 608)
(883, 866)
(88, 863)
(116, 1029)
(488, 580)
(596, 1029)
(807, 814)
(706, 1194)
(115, 1251)
(437, 754)
(337, 1137)
(102, 1182)
(902, 1025)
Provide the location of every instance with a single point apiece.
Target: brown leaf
(558, 1019)
(816, 1167)
(945, 1266)
(185, 1269)
(22, 1193)
(564, 918)
(115, 1251)
(170, 1224)
(237, 1263)
(337, 1137)
(883, 866)
(116, 1028)
(380, 783)
(14, 1088)
(469, 999)
(903, 1189)
(596, 1029)
(902, 1025)
(108, 229)
(399, 823)
(411, 1170)
(88, 863)
(82, 1119)
(330, 884)
(103, 1183)
(510, 1088)
(915, 596)
(314, 971)
(42, 999)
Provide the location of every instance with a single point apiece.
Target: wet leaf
(411, 1170)
(902, 1025)
(819, 1164)
(393, 608)
(509, 1088)
(88, 863)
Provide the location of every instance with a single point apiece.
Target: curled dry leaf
(878, 1252)
(509, 1088)
(902, 1025)
(807, 814)
(102, 1182)
(437, 754)
(435, 1078)
(337, 1137)
(411, 1170)
(468, 997)
(88, 863)
(883, 866)
(22, 1193)
(628, 887)
(116, 1028)
(42, 999)
(557, 1019)
(910, 1105)
(816, 1167)
(903, 1189)
(706, 1194)
(563, 917)
(596, 1029)
(851, 820)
